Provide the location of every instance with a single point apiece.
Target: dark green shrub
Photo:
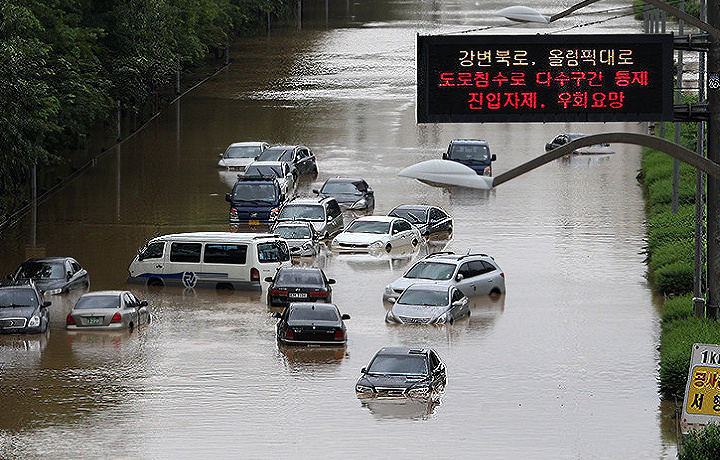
(701, 444)
(677, 308)
(672, 251)
(675, 278)
(660, 192)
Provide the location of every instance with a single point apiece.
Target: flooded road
(563, 366)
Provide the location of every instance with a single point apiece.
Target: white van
(221, 260)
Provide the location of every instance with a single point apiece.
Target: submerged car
(254, 201)
(376, 233)
(474, 153)
(324, 214)
(430, 220)
(311, 324)
(301, 237)
(473, 274)
(564, 138)
(108, 310)
(403, 372)
(426, 303)
(299, 284)
(277, 169)
(52, 275)
(351, 193)
(23, 309)
(240, 154)
(300, 158)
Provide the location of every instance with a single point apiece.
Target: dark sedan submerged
(299, 284)
(430, 220)
(23, 309)
(52, 275)
(311, 324)
(403, 372)
(350, 193)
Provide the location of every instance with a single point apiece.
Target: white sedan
(377, 233)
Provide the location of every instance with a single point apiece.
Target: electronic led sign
(544, 78)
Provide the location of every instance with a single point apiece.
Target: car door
(464, 280)
(437, 371)
(334, 218)
(438, 221)
(75, 275)
(459, 303)
(140, 306)
(129, 308)
(301, 161)
(485, 276)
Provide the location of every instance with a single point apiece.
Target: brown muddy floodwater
(562, 367)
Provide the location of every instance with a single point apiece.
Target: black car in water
(350, 193)
(307, 323)
(403, 372)
(23, 309)
(429, 220)
(52, 275)
(299, 284)
(300, 158)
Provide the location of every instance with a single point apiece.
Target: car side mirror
(143, 303)
(493, 157)
(364, 370)
(316, 191)
(457, 303)
(329, 218)
(282, 197)
(331, 281)
(276, 315)
(269, 279)
(459, 277)
(228, 198)
(46, 303)
(345, 316)
(445, 156)
(9, 277)
(221, 155)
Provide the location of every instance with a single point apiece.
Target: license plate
(254, 222)
(94, 320)
(297, 295)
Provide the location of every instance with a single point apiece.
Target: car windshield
(476, 152)
(272, 154)
(293, 233)
(17, 298)
(369, 226)
(254, 191)
(427, 297)
(398, 365)
(98, 301)
(244, 151)
(431, 271)
(275, 251)
(341, 188)
(415, 216)
(299, 278)
(41, 270)
(315, 313)
(302, 211)
(264, 171)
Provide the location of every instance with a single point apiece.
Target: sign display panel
(544, 78)
(701, 404)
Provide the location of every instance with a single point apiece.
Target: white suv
(473, 274)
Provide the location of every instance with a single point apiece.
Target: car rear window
(313, 314)
(299, 278)
(98, 301)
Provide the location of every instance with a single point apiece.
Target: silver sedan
(108, 310)
(429, 303)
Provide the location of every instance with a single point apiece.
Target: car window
(185, 252)
(152, 251)
(402, 225)
(242, 151)
(75, 266)
(225, 254)
(465, 270)
(293, 233)
(274, 251)
(299, 278)
(416, 216)
(97, 301)
(434, 361)
(41, 270)
(369, 226)
(319, 313)
(302, 153)
(436, 214)
(313, 212)
(425, 297)
(334, 209)
(398, 364)
(129, 303)
(457, 295)
(254, 192)
(431, 271)
(18, 298)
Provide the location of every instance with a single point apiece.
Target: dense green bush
(676, 277)
(681, 250)
(701, 444)
(677, 308)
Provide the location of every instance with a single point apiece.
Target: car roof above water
(215, 237)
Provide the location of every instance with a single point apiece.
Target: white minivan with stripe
(221, 260)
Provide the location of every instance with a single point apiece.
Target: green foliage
(677, 308)
(703, 444)
(676, 277)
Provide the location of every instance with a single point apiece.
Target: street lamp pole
(526, 14)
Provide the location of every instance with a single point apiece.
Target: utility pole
(713, 154)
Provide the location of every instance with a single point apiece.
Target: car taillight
(288, 334)
(117, 317)
(318, 294)
(278, 292)
(254, 274)
(339, 335)
(70, 319)
(502, 274)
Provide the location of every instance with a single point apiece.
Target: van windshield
(273, 251)
(256, 192)
(473, 152)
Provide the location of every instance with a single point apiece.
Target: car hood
(225, 162)
(391, 381)
(402, 283)
(360, 238)
(15, 312)
(418, 311)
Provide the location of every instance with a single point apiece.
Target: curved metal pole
(646, 140)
